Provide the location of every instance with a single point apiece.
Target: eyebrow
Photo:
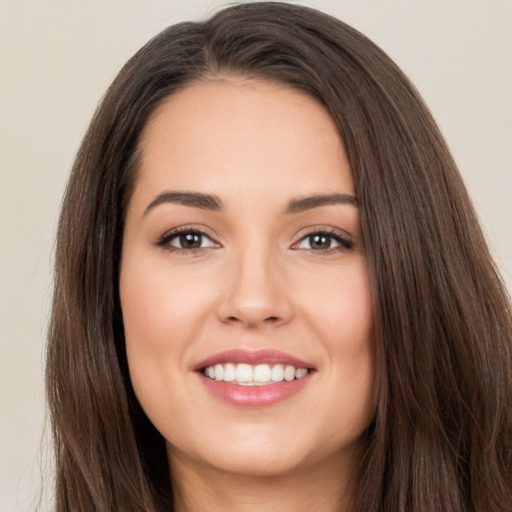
(308, 203)
(213, 203)
(193, 199)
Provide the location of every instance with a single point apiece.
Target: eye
(190, 241)
(322, 241)
(186, 240)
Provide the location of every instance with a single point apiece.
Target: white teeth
(277, 372)
(229, 372)
(258, 375)
(243, 373)
(289, 373)
(219, 372)
(262, 373)
(300, 372)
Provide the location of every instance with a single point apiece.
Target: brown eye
(324, 241)
(319, 241)
(188, 241)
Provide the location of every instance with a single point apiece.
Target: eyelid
(163, 240)
(343, 238)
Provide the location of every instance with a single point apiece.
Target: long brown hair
(442, 434)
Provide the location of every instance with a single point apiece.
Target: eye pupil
(190, 240)
(319, 241)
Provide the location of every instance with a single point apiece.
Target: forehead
(243, 137)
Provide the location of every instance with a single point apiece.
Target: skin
(255, 282)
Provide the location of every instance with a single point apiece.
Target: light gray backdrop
(56, 60)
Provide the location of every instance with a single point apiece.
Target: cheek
(350, 337)
(340, 312)
(162, 312)
(160, 306)
(339, 305)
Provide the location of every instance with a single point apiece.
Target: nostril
(250, 323)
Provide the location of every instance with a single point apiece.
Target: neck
(320, 488)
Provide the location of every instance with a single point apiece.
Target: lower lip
(254, 396)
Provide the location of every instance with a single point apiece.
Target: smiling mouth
(243, 374)
(254, 378)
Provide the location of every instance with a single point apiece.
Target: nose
(254, 291)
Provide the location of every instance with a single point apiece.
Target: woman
(271, 288)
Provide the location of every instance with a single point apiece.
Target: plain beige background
(57, 58)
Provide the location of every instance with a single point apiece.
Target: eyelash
(165, 240)
(344, 243)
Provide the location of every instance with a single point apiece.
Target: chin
(255, 462)
(263, 452)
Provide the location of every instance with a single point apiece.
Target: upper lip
(252, 357)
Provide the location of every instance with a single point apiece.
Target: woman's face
(244, 286)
